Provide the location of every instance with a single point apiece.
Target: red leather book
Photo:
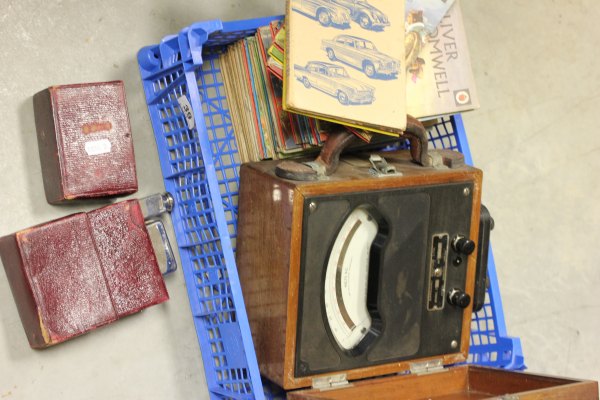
(84, 141)
(77, 273)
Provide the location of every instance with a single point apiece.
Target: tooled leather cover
(63, 270)
(130, 267)
(94, 150)
(75, 274)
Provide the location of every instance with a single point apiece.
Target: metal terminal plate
(438, 264)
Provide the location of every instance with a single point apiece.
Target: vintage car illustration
(364, 14)
(334, 80)
(325, 11)
(360, 53)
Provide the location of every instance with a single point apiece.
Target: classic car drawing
(360, 53)
(335, 81)
(364, 14)
(325, 11)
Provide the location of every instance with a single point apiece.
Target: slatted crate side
(490, 344)
(203, 263)
(442, 135)
(219, 129)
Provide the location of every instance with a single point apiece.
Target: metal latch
(154, 208)
(330, 382)
(427, 367)
(380, 167)
(155, 205)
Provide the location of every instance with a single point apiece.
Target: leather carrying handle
(339, 139)
(417, 137)
(329, 157)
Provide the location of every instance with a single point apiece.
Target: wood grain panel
(269, 252)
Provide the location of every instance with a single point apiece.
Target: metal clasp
(380, 167)
(154, 208)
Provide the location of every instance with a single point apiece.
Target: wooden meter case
(360, 274)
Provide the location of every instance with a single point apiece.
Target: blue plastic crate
(200, 164)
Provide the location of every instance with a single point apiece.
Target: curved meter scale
(346, 280)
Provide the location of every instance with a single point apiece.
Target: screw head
(312, 206)
(466, 191)
(454, 344)
(169, 201)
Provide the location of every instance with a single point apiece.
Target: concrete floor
(534, 138)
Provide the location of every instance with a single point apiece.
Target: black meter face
(373, 276)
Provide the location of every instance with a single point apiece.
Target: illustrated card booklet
(439, 75)
(344, 62)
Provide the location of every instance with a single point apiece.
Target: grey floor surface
(534, 137)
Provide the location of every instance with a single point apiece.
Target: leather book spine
(48, 147)
(22, 292)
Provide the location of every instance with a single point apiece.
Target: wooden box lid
(459, 383)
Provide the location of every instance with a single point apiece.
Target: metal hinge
(427, 367)
(154, 208)
(330, 382)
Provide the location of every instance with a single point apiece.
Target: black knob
(463, 245)
(457, 297)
